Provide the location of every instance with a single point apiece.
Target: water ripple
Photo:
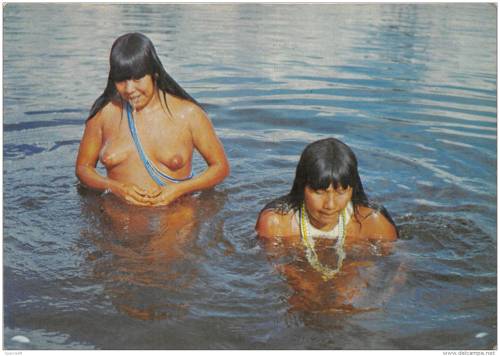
(410, 87)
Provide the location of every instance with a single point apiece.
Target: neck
(323, 227)
(150, 106)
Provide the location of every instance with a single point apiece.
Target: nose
(329, 202)
(129, 86)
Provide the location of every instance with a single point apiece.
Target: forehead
(125, 71)
(331, 187)
(145, 79)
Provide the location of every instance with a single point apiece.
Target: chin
(328, 223)
(139, 107)
(323, 221)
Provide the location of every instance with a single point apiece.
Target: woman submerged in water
(328, 221)
(144, 129)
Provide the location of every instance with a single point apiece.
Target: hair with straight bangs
(132, 57)
(323, 163)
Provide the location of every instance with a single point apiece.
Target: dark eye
(341, 190)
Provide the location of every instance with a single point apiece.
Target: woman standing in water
(144, 129)
(328, 218)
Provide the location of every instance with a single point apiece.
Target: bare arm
(270, 225)
(378, 230)
(276, 232)
(88, 155)
(86, 162)
(208, 144)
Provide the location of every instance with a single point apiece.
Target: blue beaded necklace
(157, 175)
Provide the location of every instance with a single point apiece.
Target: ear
(155, 79)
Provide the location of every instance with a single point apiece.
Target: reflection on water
(410, 87)
(144, 257)
(369, 277)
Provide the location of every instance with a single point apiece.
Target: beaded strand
(326, 272)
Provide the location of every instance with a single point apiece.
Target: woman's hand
(135, 195)
(167, 195)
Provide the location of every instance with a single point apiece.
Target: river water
(411, 88)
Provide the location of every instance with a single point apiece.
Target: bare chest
(167, 142)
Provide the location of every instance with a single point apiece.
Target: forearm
(212, 176)
(89, 177)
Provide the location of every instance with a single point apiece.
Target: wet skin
(367, 230)
(169, 138)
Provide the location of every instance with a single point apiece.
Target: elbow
(80, 173)
(224, 170)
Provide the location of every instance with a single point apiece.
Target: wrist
(173, 191)
(113, 186)
(181, 189)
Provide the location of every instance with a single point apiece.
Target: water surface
(411, 88)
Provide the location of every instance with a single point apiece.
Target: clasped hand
(153, 197)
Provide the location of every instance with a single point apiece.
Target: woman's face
(324, 205)
(138, 92)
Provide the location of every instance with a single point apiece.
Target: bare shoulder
(186, 110)
(374, 225)
(111, 110)
(108, 113)
(271, 224)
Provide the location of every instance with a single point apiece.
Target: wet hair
(132, 57)
(323, 163)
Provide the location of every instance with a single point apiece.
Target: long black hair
(323, 163)
(132, 57)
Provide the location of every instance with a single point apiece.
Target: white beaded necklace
(309, 232)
